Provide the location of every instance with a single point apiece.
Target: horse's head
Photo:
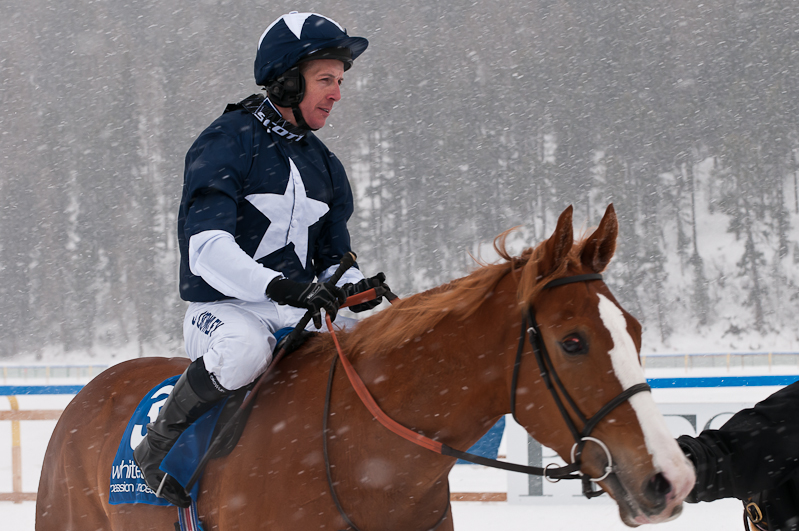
(593, 346)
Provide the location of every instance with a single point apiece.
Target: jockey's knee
(237, 360)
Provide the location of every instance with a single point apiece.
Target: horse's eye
(573, 345)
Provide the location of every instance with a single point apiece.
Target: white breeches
(235, 338)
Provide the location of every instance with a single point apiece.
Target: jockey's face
(323, 78)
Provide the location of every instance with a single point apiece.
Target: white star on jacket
(290, 214)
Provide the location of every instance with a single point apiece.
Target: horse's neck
(453, 383)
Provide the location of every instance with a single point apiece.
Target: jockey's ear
(601, 245)
(558, 245)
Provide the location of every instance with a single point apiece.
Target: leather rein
(531, 331)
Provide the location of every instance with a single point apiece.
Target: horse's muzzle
(658, 501)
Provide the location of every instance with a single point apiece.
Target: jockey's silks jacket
(285, 200)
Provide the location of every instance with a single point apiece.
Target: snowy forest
(461, 120)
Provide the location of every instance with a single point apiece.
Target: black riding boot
(195, 393)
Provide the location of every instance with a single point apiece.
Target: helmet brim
(334, 47)
(341, 54)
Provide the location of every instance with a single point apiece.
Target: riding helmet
(295, 38)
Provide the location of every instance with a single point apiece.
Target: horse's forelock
(533, 279)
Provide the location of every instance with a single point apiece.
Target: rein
(551, 379)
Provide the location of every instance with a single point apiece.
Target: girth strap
(361, 388)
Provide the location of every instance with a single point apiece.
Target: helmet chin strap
(300, 119)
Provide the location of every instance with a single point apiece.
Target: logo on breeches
(206, 322)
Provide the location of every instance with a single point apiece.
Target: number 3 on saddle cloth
(127, 482)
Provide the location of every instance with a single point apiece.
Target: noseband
(550, 376)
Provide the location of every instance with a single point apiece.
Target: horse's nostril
(657, 487)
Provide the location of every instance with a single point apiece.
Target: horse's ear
(558, 245)
(601, 245)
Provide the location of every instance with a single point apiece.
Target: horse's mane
(415, 315)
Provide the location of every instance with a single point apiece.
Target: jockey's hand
(363, 285)
(310, 295)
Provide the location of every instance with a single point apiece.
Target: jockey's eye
(574, 345)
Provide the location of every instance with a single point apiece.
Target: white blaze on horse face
(666, 455)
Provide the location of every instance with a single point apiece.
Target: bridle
(552, 380)
(531, 331)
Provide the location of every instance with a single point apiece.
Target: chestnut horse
(441, 363)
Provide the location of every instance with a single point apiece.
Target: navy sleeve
(211, 211)
(756, 450)
(216, 166)
(764, 441)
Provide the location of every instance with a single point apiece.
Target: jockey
(262, 226)
(754, 457)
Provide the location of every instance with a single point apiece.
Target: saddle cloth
(127, 482)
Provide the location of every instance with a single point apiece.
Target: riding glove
(312, 295)
(364, 285)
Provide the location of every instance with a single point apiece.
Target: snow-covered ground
(723, 515)
(599, 514)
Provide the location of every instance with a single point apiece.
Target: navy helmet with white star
(303, 36)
